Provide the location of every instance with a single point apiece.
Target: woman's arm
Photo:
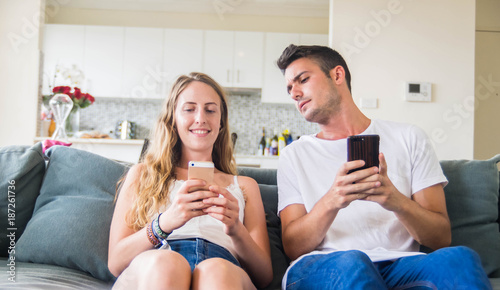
(250, 238)
(125, 243)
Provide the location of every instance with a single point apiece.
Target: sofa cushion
(72, 216)
(261, 175)
(21, 173)
(47, 277)
(472, 203)
(280, 261)
(266, 178)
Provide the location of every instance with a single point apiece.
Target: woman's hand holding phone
(186, 205)
(224, 208)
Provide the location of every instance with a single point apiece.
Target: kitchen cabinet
(103, 63)
(142, 63)
(274, 86)
(63, 45)
(182, 54)
(234, 58)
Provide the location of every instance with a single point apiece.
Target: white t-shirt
(308, 167)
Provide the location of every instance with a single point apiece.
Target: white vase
(73, 121)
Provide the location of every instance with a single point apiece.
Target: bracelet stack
(155, 234)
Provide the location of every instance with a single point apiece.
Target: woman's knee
(215, 267)
(161, 266)
(220, 273)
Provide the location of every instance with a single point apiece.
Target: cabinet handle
(238, 76)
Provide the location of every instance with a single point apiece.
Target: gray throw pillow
(21, 174)
(472, 203)
(72, 216)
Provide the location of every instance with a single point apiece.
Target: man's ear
(337, 74)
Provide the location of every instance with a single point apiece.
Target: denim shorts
(196, 250)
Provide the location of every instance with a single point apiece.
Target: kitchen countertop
(99, 141)
(130, 149)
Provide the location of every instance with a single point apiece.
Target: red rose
(90, 98)
(77, 94)
(57, 90)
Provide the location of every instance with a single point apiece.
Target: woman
(154, 207)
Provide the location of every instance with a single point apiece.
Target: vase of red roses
(80, 101)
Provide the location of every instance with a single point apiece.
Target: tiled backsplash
(247, 116)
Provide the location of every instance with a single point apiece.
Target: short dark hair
(325, 57)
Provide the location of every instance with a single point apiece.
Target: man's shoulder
(392, 128)
(299, 143)
(391, 125)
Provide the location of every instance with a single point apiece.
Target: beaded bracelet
(151, 237)
(157, 231)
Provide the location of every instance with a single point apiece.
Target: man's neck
(344, 127)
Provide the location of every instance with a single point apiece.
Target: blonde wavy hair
(164, 152)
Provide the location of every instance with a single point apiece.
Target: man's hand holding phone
(363, 147)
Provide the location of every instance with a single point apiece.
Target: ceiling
(304, 8)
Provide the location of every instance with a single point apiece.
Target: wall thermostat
(418, 92)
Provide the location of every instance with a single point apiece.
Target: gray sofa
(55, 212)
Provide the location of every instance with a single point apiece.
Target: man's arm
(302, 232)
(424, 215)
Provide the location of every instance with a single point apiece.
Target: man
(361, 230)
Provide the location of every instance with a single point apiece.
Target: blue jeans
(447, 268)
(196, 250)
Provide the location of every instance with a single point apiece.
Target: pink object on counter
(47, 143)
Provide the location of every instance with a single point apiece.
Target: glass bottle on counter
(281, 143)
(267, 150)
(262, 143)
(274, 143)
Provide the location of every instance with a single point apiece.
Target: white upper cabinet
(182, 54)
(104, 60)
(142, 63)
(274, 87)
(234, 58)
(248, 59)
(218, 56)
(64, 46)
(139, 62)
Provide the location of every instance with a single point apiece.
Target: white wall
(389, 42)
(19, 70)
(486, 138)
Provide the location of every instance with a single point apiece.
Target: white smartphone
(201, 170)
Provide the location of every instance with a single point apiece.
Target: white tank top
(205, 226)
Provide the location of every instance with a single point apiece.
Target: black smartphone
(363, 147)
